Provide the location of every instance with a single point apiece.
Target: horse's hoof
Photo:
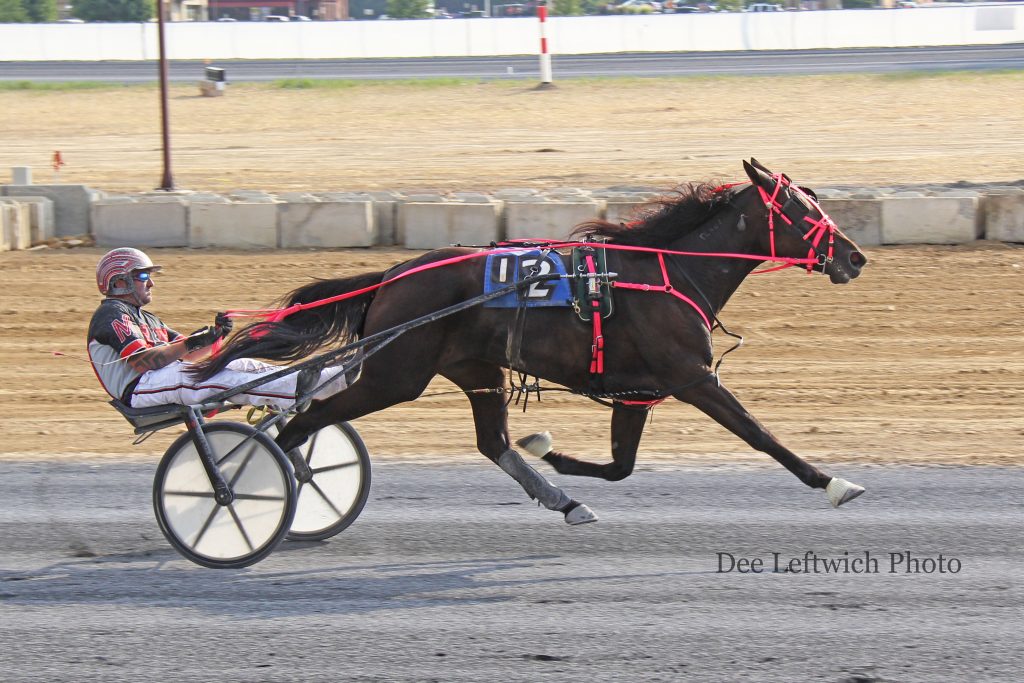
(841, 491)
(579, 514)
(536, 444)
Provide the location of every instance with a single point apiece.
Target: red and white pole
(545, 58)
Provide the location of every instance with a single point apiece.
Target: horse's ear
(757, 176)
(757, 164)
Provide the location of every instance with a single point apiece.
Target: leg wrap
(536, 486)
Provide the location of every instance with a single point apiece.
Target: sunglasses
(143, 276)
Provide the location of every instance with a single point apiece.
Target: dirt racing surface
(918, 361)
(485, 136)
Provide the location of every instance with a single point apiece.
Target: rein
(813, 237)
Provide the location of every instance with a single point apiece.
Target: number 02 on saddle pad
(508, 267)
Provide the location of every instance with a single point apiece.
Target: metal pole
(545, 58)
(167, 182)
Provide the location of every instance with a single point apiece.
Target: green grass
(940, 74)
(328, 84)
(454, 82)
(58, 86)
(621, 81)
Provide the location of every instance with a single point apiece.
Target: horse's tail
(303, 332)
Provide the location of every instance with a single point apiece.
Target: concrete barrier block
(71, 205)
(239, 225)
(859, 219)
(624, 209)
(19, 224)
(252, 196)
(432, 225)
(1004, 216)
(385, 214)
(21, 175)
(327, 224)
(41, 217)
(516, 194)
(930, 220)
(549, 219)
(119, 223)
(6, 217)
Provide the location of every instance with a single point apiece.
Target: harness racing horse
(697, 247)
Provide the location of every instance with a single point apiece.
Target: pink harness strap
(597, 348)
(667, 288)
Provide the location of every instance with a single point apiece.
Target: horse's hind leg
(627, 428)
(718, 403)
(369, 394)
(490, 415)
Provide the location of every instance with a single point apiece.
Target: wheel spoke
(339, 466)
(316, 487)
(206, 525)
(256, 496)
(245, 463)
(241, 529)
(250, 438)
(312, 447)
(190, 494)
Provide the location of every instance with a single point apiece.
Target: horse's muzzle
(844, 268)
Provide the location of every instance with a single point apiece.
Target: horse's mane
(666, 219)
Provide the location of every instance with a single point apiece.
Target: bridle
(795, 210)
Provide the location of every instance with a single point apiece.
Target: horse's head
(799, 229)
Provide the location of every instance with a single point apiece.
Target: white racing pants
(172, 384)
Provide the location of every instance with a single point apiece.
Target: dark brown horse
(657, 345)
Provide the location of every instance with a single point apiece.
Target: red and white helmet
(120, 264)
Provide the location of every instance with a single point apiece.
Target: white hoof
(580, 514)
(536, 444)
(841, 491)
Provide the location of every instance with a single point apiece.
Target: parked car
(764, 7)
(299, 17)
(280, 18)
(637, 6)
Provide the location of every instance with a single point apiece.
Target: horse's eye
(809, 192)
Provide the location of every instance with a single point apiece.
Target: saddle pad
(508, 267)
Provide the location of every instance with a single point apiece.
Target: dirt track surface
(917, 361)
(873, 130)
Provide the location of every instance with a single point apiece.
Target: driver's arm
(160, 356)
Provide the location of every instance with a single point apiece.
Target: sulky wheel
(245, 530)
(340, 483)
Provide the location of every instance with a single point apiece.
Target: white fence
(969, 25)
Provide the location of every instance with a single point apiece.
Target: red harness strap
(597, 348)
(667, 288)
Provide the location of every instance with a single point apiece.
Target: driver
(142, 362)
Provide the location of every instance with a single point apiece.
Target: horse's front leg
(627, 428)
(718, 403)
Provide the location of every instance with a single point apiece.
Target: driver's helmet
(114, 271)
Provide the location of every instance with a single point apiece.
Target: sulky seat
(156, 418)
